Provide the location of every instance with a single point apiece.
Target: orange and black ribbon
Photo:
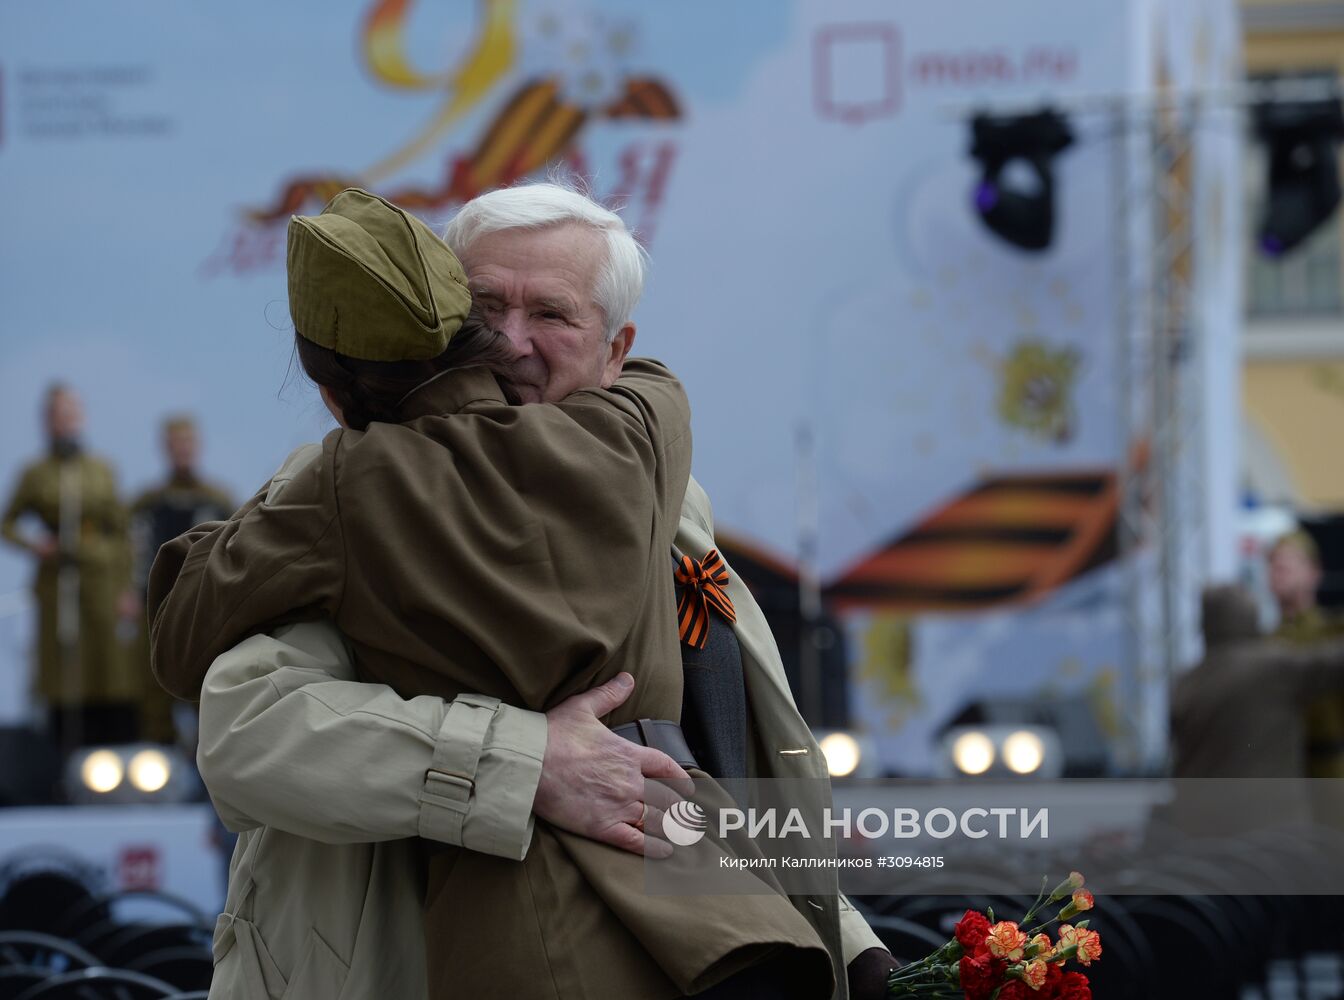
(702, 587)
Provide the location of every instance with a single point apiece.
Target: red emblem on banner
(138, 868)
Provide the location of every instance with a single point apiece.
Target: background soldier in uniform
(1295, 578)
(159, 515)
(81, 582)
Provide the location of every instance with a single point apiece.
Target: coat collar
(449, 392)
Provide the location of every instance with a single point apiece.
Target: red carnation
(1054, 975)
(1017, 990)
(972, 930)
(979, 975)
(1073, 986)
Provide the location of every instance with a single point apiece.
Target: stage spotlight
(1016, 193)
(842, 754)
(973, 753)
(991, 750)
(149, 770)
(135, 772)
(101, 771)
(1023, 752)
(1303, 188)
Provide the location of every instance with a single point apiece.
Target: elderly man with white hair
(326, 888)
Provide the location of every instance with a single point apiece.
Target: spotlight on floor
(136, 772)
(149, 770)
(972, 752)
(999, 751)
(849, 754)
(842, 754)
(101, 771)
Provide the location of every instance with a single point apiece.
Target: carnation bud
(1082, 900)
(1065, 888)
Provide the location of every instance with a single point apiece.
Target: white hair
(620, 281)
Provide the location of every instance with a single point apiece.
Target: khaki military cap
(369, 281)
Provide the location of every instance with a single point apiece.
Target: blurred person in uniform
(159, 515)
(1294, 578)
(81, 584)
(1239, 714)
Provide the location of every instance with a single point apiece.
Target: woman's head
(380, 304)
(359, 392)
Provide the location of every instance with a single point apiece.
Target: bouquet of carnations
(1003, 960)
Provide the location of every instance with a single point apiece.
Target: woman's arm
(289, 739)
(224, 580)
(519, 533)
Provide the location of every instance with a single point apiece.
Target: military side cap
(369, 281)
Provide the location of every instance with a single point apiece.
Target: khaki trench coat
(522, 553)
(98, 669)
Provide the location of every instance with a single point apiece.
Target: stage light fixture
(973, 753)
(1023, 752)
(842, 754)
(101, 771)
(133, 772)
(1016, 193)
(149, 770)
(1303, 188)
(995, 750)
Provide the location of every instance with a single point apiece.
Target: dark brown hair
(371, 390)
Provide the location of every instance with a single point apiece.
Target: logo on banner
(139, 868)
(579, 75)
(857, 72)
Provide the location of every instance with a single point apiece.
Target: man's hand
(593, 781)
(45, 547)
(868, 973)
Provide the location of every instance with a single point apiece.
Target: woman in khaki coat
(465, 544)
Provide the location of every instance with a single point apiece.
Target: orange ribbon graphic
(702, 587)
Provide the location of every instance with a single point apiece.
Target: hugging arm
(289, 739)
(551, 512)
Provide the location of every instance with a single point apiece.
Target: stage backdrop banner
(887, 396)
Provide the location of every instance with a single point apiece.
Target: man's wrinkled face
(536, 287)
(1293, 576)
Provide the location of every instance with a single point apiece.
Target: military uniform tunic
(1325, 715)
(158, 516)
(78, 662)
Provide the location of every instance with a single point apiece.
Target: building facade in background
(1293, 376)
